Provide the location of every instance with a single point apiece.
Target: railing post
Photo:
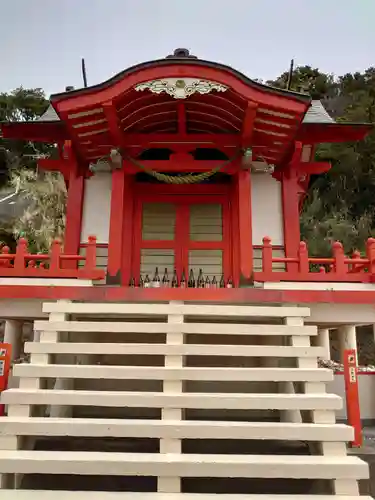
(267, 256)
(90, 259)
(303, 258)
(340, 268)
(352, 395)
(20, 258)
(370, 253)
(54, 256)
(5, 262)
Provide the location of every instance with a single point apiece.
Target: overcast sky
(42, 41)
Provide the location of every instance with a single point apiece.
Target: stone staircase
(174, 402)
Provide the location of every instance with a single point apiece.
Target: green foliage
(43, 193)
(341, 203)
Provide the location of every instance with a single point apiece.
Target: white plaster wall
(266, 209)
(97, 207)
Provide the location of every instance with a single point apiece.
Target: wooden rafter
(113, 123)
(248, 124)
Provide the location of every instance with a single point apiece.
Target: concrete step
(185, 429)
(131, 309)
(171, 373)
(162, 400)
(183, 465)
(120, 495)
(263, 351)
(187, 328)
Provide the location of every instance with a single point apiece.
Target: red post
(370, 253)
(338, 254)
(90, 258)
(54, 259)
(303, 258)
(267, 256)
(5, 357)
(20, 258)
(5, 262)
(352, 395)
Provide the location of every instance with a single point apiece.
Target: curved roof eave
(186, 61)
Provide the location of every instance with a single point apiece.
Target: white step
(161, 400)
(277, 351)
(120, 495)
(185, 429)
(171, 373)
(188, 328)
(221, 310)
(189, 465)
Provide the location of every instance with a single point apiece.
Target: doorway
(183, 232)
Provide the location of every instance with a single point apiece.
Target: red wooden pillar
(73, 206)
(291, 223)
(245, 239)
(121, 229)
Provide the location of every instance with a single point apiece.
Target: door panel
(183, 233)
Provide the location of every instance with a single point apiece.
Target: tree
(44, 193)
(341, 203)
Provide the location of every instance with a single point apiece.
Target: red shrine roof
(190, 97)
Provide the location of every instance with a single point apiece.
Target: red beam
(35, 131)
(161, 140)
(224, 295)
(113, 123)
(177, 163)
(63, 166)
(313, 168)
(314, 133)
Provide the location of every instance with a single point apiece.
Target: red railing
(339, 267)
(55, 264)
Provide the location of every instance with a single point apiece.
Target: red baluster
(267, 255)
(303, 258)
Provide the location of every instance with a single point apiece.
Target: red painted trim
(74, 205)
(180, 162)
(95, 97)
(234, 295)
(245, 223)
(116, 223)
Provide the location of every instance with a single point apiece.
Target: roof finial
(181, 54)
